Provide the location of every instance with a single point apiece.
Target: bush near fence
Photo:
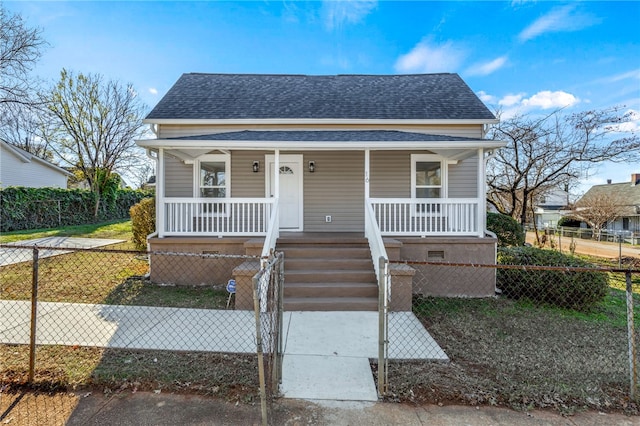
(32, 208)
(573, 289)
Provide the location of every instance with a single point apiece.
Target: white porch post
(276, 174)
(482, 189)
(366, 174)
(160, 193)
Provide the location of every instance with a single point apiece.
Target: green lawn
(113, 230)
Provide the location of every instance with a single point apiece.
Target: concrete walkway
(9, 256)
(326, 354)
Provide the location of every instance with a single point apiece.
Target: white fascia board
(23, 156)
(317, 146)
(321, 121)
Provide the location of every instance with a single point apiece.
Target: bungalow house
(335, 171)
(21, 168)
(628, 220)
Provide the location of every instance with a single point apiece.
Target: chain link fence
(73, 319)
(552, 337)
(268, 288)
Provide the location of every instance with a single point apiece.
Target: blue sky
(519, 56)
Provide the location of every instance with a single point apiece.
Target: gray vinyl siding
(244, 182)
(463, 178)
(178, 177)
(180, 130)
(336, 188)
(390, 174)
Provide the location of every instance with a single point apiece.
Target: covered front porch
(240, 192)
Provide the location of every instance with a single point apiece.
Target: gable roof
(625, 191)
(27, 157)
(356, 97)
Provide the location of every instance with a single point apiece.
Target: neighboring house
(551, 207)
(395, 163)
(20, 168)
(629, 219)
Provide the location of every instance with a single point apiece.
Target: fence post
(633, 376)
(256, 307)
(382, 337)
(34, 312)
(280, 355)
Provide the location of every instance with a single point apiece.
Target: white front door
(291, 208)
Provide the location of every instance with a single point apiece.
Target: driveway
(594, 248)
(9, 256)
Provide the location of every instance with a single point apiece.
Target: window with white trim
(428, 179)
(212, 179)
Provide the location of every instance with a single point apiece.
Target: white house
(393, 163)
(20, 168)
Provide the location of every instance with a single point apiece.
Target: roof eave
(183, 121)
(316, 146)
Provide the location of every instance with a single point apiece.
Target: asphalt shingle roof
(254, 96)
(325, 136)
(625, 191)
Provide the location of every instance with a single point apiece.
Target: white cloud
(153, 90)
(516, 104)
(427, 57)
(338, 13)
(558, 19)
(548, 99)
(487, 67)
(511, 100)
(485, 97)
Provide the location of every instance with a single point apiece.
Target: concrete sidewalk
(165, 409)
(9, 256)
(326, 354)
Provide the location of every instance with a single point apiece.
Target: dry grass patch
(512, 353)
(233, 377)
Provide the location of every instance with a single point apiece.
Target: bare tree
(598, 207)
(94, 124)
(20, 126)
(553, 151)
(20, 48)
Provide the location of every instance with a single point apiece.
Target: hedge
(143, 221)
(33, 208)
(507, 229)
(568, 289)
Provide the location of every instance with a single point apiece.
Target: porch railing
(216, 216)
(374, 237)
(433, 217)
(273, 232)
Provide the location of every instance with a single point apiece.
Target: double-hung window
(428, 182)
(212, 180)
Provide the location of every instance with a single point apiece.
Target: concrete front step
(329, 276)
(296, 264)
(320, 252)
(330, 290)
(328, 273)
(331, 304)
